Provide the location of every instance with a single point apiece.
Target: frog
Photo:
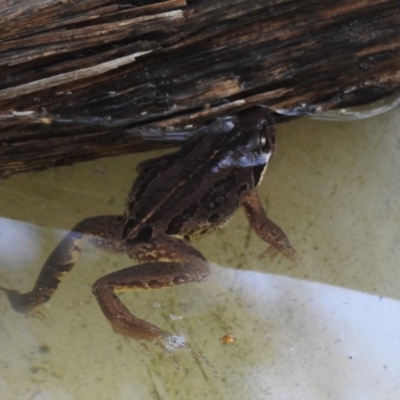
(176, 198)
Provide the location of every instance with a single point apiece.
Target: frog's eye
(264, 144)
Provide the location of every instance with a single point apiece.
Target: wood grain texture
(85, 79)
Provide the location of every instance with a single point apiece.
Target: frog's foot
(288, 251)
(273, 251)
(36, 314)
(131, 327)
(170, 343)
(22, 303)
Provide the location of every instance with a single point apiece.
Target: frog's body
(196, 189)
(176, 198)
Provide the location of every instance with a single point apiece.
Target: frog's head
(259, 125)
(250, 144)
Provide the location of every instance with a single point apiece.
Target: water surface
(328, 328)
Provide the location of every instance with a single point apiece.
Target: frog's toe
(173, 343)
(14, 298)
(144, 332)
(272, 252)
(36, 314)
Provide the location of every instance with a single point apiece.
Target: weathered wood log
(86, 79)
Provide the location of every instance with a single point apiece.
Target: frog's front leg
(265, 228)
(103, 228)
(165, 262)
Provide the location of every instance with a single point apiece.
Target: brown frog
(176, 198)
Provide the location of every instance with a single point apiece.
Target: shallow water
(327, 328)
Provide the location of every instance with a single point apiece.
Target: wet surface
(327, 328)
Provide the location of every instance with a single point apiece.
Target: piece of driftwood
(81, 79)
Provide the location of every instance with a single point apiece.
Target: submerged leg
(61, 261)
(265, 228)
(166, 262)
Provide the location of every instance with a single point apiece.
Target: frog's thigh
(266, 229)
(165, 262)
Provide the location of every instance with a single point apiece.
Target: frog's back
(191, 191)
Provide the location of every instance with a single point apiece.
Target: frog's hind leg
(166, 262)
(61, 261)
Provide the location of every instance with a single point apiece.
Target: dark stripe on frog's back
(148, 171)
(169, 185)
(211, 212)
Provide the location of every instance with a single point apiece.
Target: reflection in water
(17, 240)
(315, 335)
(329, 330)
(325, 336)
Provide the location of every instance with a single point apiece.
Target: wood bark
(86, 79)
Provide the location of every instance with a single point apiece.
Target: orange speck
(229, 339)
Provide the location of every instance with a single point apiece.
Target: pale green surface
(325, 329)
